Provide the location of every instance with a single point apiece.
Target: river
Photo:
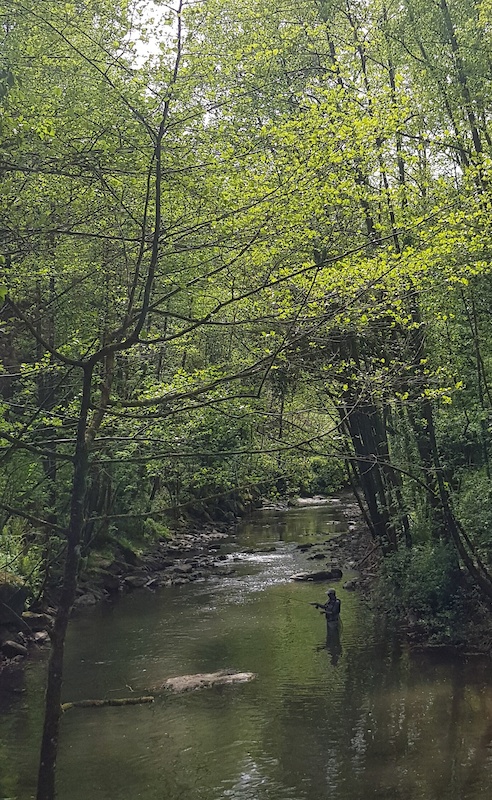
(351, 721)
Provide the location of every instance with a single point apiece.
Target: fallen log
(203, 680)
(122, 701)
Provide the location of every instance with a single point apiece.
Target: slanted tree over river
(245, 252)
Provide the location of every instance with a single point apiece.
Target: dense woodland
(245, 252)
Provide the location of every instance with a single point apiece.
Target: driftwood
(182, 683)
(123, 701)
(371, 551)
(203, 680)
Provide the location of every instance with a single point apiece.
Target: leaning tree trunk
(372, 471)
(49, 742)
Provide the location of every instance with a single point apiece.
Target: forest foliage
(245, 251)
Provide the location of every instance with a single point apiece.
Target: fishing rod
(294, 599)
(308, 603)
(297, 600)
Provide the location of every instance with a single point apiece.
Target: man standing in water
(331, 609)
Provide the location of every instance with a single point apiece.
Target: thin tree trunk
(482, 385)
(462, 77)
(49, 743)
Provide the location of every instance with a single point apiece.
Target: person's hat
(331, 591)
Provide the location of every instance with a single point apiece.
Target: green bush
(23, 553)
(474, 507)
(154, 530)
(421, 586)
(326, 475)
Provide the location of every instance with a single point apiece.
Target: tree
(128, 235)
(256, 241)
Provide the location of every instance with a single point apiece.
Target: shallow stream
(351, 721)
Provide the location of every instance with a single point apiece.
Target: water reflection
(333, 643)
(347, 717)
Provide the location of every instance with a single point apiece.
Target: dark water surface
(355, 721)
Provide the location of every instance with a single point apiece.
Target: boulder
(183, 569)
(109, 581)
(322, 575)
(38, 622)
(86, 600)
(41, 637)
(136, 581)
(336, 573)
(12, 649)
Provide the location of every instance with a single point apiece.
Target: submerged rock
(85, 600)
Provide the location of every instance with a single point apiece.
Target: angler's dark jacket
(331, 609)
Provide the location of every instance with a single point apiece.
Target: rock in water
(331, 574)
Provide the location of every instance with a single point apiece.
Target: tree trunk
(49, 742)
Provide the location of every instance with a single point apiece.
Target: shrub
(422, 586)
(474, 508)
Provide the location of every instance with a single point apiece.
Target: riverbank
(190, 554)
(193, 554)
(465, 627)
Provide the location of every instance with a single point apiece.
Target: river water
(351, 720)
